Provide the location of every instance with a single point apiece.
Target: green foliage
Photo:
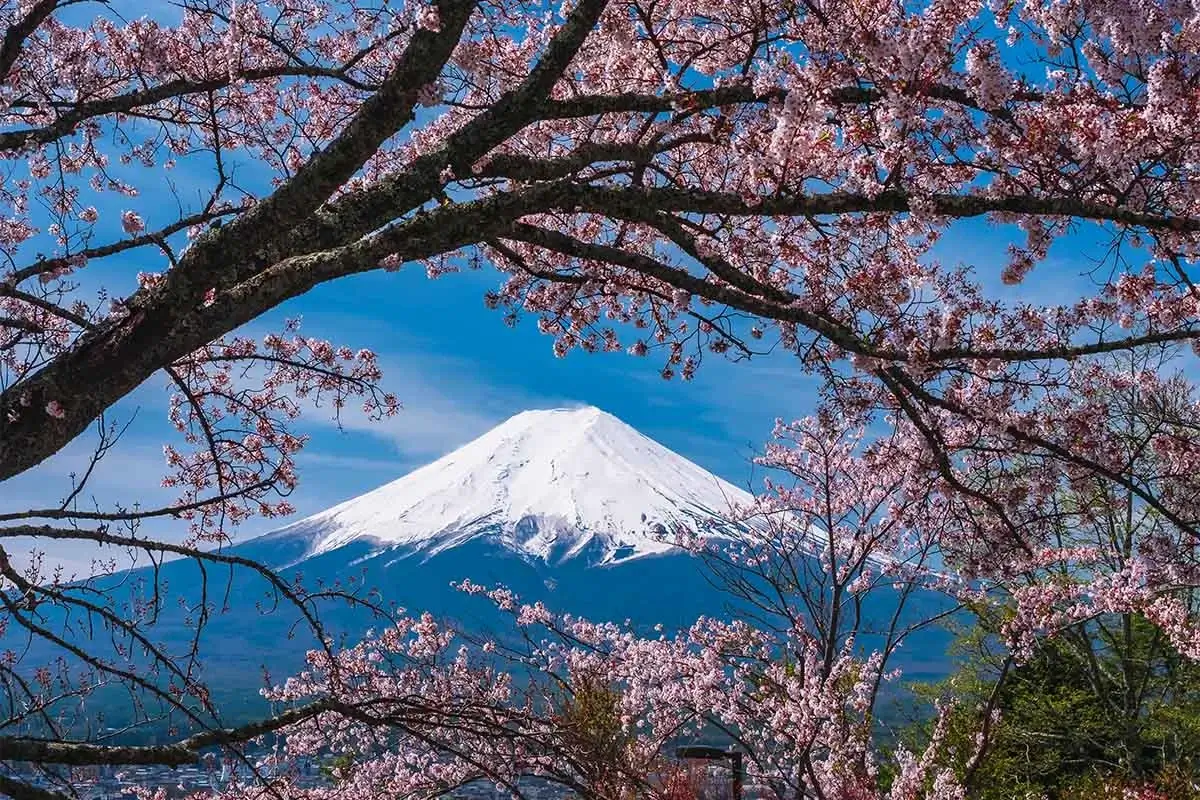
(1106, 704)
(591, 712)
(589, 720)
(339, 766)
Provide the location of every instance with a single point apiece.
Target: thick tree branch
(251, 241)
(236, 250)
(360, 212)
(20, 790)
(186, 751)
(625, 201)
(140, 344)
(684, 102)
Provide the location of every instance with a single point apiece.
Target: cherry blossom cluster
(417, 711)
(234, 401)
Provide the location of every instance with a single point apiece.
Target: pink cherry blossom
(132, 223)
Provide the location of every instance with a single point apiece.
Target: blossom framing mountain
(570, 507)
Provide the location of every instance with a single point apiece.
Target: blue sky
(459, 370)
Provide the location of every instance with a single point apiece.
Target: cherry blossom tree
(682, 179)
(597, 711)
(840, 522)
(1104, 575)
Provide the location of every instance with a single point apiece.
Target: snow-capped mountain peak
(548, 484)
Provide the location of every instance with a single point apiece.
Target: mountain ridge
(572, 466)
(551, 485)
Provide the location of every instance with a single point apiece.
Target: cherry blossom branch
(16, 34)
(156, 237)
(130, 515)
(80, 112)
(303, 601)
(622, 201)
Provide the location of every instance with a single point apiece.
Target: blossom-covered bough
(681, 179)
(595, 708)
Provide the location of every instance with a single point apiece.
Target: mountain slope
(550, 485)
(564, 507)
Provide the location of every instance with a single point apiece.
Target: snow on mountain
(546, 484)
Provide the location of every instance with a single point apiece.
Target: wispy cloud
(443, 406)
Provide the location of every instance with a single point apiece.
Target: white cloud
(443, 406)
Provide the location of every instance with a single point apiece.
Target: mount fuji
(549, 486)
(572, 507)
(566, 506)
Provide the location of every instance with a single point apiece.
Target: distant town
(112, 783)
